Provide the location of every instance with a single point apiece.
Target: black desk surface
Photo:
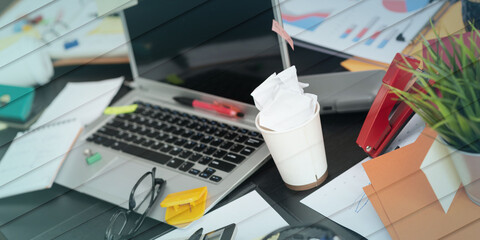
(62, 213)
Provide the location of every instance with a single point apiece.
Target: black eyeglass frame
(132, 207)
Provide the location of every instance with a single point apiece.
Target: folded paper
(282, 102)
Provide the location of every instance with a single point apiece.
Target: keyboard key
(200, 127)
(195, 157)
(147, 143)
(186, 166)
(117, 145)
(138, 140)
(175, 151)
(209, 150)
(180, 142)
(219, 154)
(220, 133)
(197, 136)
(215, 178)
(254, 142)
(207, 173)
(107, 142)
(216, 142)
(240, 139)
(194, 171)
(146, 153)
(175, 163)
(178, 131)
(200, 147)
(205, 160)
(98, 139)
(188, 133)
(152, 133)
(236, 148)
(206, 139)
(247, 151)
(226, 145)
(166, 148)
(209, 170)
(243, 131)
(184, 154)
(189, 144)
(169, 129)
(235, 158)
(210, 130)
(222, 165)
(156, 145)
(161, 136)
(108, 131)
(230, 135)
(254, 134)
(171, 139)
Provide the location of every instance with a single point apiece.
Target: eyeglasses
(124, 224)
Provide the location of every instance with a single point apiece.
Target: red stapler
(383, 121)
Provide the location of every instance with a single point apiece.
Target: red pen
(215, 106)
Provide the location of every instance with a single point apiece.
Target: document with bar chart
(372, 29)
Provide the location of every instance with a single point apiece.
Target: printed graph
(403, 6)
(308, 21)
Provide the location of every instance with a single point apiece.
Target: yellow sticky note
(120, 109)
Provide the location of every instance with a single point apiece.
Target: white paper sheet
(31, 163)
(441, 173)
(84, 101)
(254, 217)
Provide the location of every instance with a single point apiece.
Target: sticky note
(120, 109)
(280, 31)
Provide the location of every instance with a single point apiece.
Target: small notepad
(34, 158)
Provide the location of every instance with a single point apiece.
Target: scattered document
(31, 163)
(344, 201)
(371, 29)
(254, 218)
(84, 101)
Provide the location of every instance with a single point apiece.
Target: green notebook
(16, 102)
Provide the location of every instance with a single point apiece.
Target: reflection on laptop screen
(225, 48)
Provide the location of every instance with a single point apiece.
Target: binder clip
(387, 116)
(186, 206)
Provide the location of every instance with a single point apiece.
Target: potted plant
(448, 100)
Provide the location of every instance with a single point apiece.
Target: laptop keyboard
(188, 143)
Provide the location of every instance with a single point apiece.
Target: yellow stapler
(186, 206)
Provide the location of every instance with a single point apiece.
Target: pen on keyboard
(218, 107)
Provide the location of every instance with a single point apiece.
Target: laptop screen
(221, 47)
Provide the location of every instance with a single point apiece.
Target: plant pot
(467, 166)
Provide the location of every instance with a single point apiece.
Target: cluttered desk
(226, 126)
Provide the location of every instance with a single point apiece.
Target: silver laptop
(214, 51)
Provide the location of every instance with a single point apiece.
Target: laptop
(213, 51)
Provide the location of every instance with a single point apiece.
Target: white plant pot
(467, 166)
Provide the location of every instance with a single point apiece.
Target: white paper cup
(299, 153)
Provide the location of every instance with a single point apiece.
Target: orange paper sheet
(406, 203)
